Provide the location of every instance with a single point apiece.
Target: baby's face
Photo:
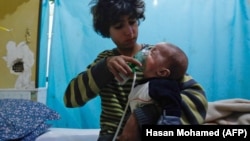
(155, 59)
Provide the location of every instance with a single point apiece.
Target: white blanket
(235, 111)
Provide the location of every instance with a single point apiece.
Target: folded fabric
(235, 111)
(24, 120)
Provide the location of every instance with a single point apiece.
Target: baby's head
(165, 60)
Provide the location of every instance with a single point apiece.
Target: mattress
(68, 134)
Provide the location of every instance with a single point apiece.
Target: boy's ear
(163, 72)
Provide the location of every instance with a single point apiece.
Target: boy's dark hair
(109, 12)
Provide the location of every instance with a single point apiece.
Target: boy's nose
(129, 31)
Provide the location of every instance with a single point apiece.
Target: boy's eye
(118, 26)
(132, 22)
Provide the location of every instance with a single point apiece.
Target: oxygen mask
(142, 55)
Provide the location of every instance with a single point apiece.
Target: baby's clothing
(162, 92)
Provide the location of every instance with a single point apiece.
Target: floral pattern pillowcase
(24, 120)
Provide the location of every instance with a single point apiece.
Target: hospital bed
(26, 119)
(222, 112)
(68, 134)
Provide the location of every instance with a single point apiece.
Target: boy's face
(124, 33)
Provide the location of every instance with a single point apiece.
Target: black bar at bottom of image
(221, 132)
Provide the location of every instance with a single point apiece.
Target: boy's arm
(194, 101)
(194, 106)
(87, 84)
